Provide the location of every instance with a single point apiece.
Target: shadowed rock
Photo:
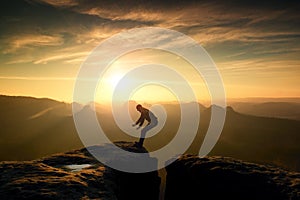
(191, 177)
(55, 178)
(78, 175)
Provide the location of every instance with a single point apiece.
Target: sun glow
(150, 93)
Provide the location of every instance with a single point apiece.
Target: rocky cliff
(75, 175)
(191, 177)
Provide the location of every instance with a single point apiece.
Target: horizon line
(230, 99)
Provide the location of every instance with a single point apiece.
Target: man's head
(139, 107)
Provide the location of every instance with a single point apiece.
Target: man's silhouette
(152, 122)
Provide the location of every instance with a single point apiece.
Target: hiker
(152, 122)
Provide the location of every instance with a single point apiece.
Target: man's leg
(143, 135)
(145, 130)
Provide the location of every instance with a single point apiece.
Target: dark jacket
(144, 115)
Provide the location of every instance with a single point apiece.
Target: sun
(114, 79)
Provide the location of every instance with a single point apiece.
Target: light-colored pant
(151, 125)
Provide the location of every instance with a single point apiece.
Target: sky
(254, 44)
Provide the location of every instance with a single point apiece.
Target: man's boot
(140, 143)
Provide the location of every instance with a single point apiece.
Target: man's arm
(141, 120)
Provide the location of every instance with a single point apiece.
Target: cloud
(263, 24)
(61, 3)
(67, 57)
(84, 24)
(26, 41)
(248, 40)
(33, 30)
(33, 78)
(285, 68)
(18, 61)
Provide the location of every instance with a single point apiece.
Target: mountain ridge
(246, 137)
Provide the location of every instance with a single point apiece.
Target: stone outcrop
(75, 175)
(191, 177)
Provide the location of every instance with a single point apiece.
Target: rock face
(78, 175)
(133, 186)
(75, 175)
(191, 177)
